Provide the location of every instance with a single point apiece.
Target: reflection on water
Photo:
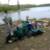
(39, 12)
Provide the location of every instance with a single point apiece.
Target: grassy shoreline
(21, 7)
(14, 7)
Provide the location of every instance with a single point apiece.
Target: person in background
(8, 24)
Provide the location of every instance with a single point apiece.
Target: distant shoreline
(12, 8)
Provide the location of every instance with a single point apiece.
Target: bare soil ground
(41, 42)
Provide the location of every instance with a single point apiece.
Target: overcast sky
(13, 2)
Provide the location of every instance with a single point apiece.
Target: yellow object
(1, 30)
(45, 21)
(46, 27)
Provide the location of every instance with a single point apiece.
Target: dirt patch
(41, 42)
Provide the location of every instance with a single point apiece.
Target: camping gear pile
(25, 29)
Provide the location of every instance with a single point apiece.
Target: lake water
(38, 12)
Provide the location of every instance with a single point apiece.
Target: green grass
(14, 8)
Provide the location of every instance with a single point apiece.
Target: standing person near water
(8, 24)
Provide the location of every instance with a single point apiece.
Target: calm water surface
(39, 12)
